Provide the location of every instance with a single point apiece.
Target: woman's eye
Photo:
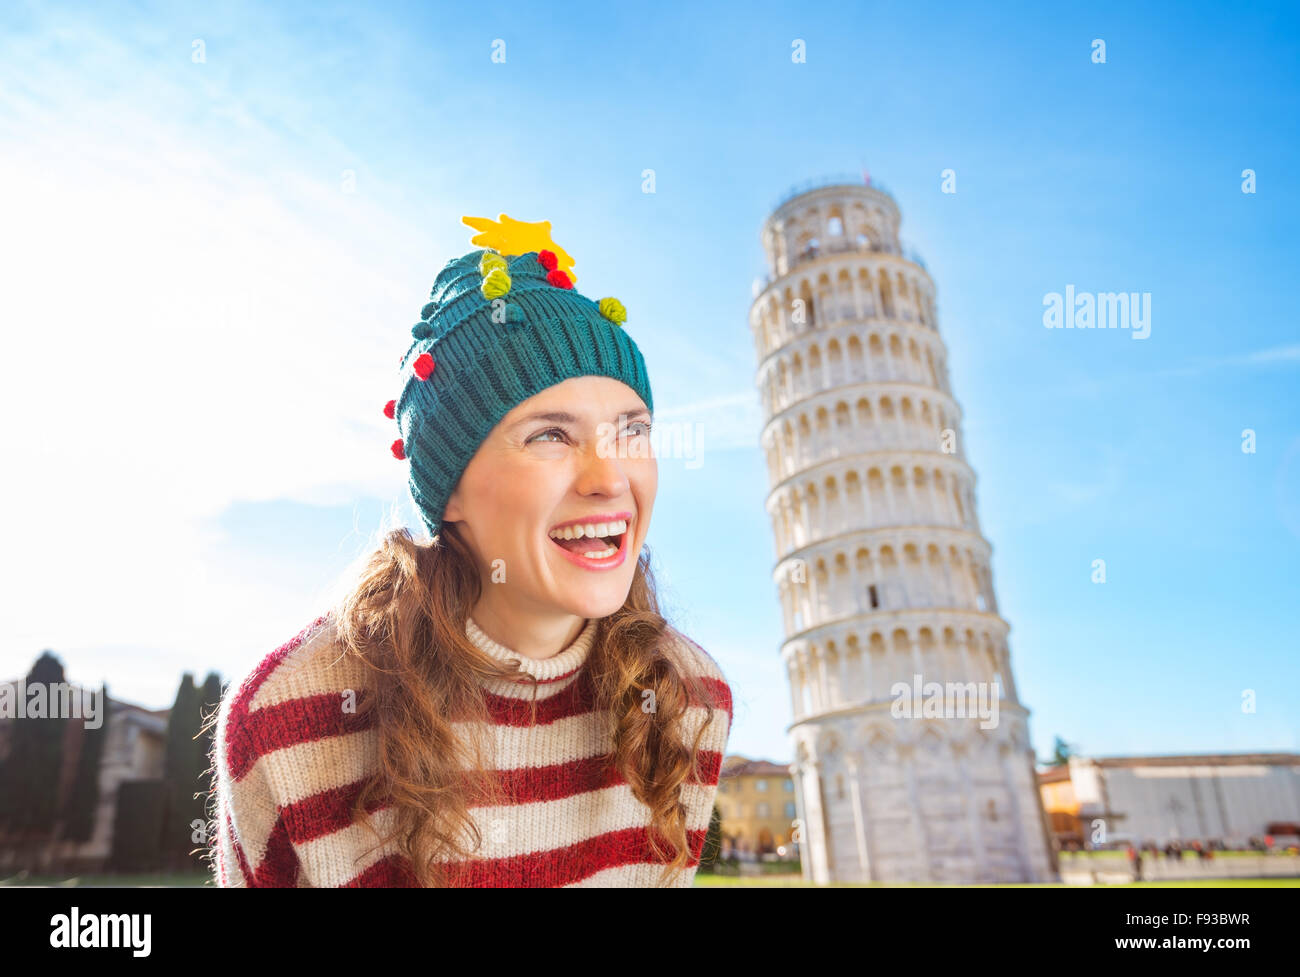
(553, 430)
(644, 424)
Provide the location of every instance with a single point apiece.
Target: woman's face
(578, 453)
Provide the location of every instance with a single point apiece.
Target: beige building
(882, 571)
(757, 803)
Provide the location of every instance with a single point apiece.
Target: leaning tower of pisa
(912, 754)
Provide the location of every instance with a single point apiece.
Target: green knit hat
(502, 323)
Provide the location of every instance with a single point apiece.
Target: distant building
(133, 750)
(1061, 807)
(757, 801)
(1095, 802)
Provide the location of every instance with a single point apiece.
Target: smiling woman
(502, 704)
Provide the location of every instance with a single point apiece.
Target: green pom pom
(489, 261)
(496, 284)
(422, 330)
(612, 309)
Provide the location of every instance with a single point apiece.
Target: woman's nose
(602, 468)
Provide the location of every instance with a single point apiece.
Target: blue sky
(212, 267)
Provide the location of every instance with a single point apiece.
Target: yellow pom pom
(612, 309)
(489, 261)
(495, 283)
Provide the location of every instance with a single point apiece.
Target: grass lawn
(702, 880)
(795, 881)
(174, 880)
(1190, 855)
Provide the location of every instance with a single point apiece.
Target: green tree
(1061, 753)
(29, 776)
(178, 772)
(712, 842)
(210, 702)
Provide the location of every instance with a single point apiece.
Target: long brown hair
(404, 618)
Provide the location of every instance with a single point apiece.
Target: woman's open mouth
(595, 544)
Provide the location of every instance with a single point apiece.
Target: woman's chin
(595, 600)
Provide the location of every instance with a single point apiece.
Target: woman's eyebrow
(564, 417)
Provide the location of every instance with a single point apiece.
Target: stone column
(921, 839)
(887, 477)
(1008, 677)
(816, 844)
(795, 676)
(859, 821)
(915, 646)
(970, 802)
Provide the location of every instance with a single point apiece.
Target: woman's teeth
(591, 530)
(574, 536)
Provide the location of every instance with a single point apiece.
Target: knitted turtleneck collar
(551, 669)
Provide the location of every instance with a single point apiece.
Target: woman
(502, 705)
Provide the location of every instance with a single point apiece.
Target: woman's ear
(451, 511)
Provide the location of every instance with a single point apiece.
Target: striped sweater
(288, 764)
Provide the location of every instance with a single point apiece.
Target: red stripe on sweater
(240, 857)
(531, 785)
(311, 718)
(390, 872)
(289, 723)
(579, 698)
(325, 812)
(279, 869)
(253, 733)
(562, 866)
(708, 767)
(330, 810)
(721, 694)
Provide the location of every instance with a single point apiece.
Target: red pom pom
(423, 365)
(548, 259)
(389, 408)
(399, 449)
(559, 279)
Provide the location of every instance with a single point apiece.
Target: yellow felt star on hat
(508, 236)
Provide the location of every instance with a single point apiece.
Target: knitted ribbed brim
(487, 355)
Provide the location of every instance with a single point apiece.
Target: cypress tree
(712, 842)
(178, 764)
(29, 776)
(210, 702)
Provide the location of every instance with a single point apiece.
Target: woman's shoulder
(291, 688)
(704, 666)
(693, 656)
